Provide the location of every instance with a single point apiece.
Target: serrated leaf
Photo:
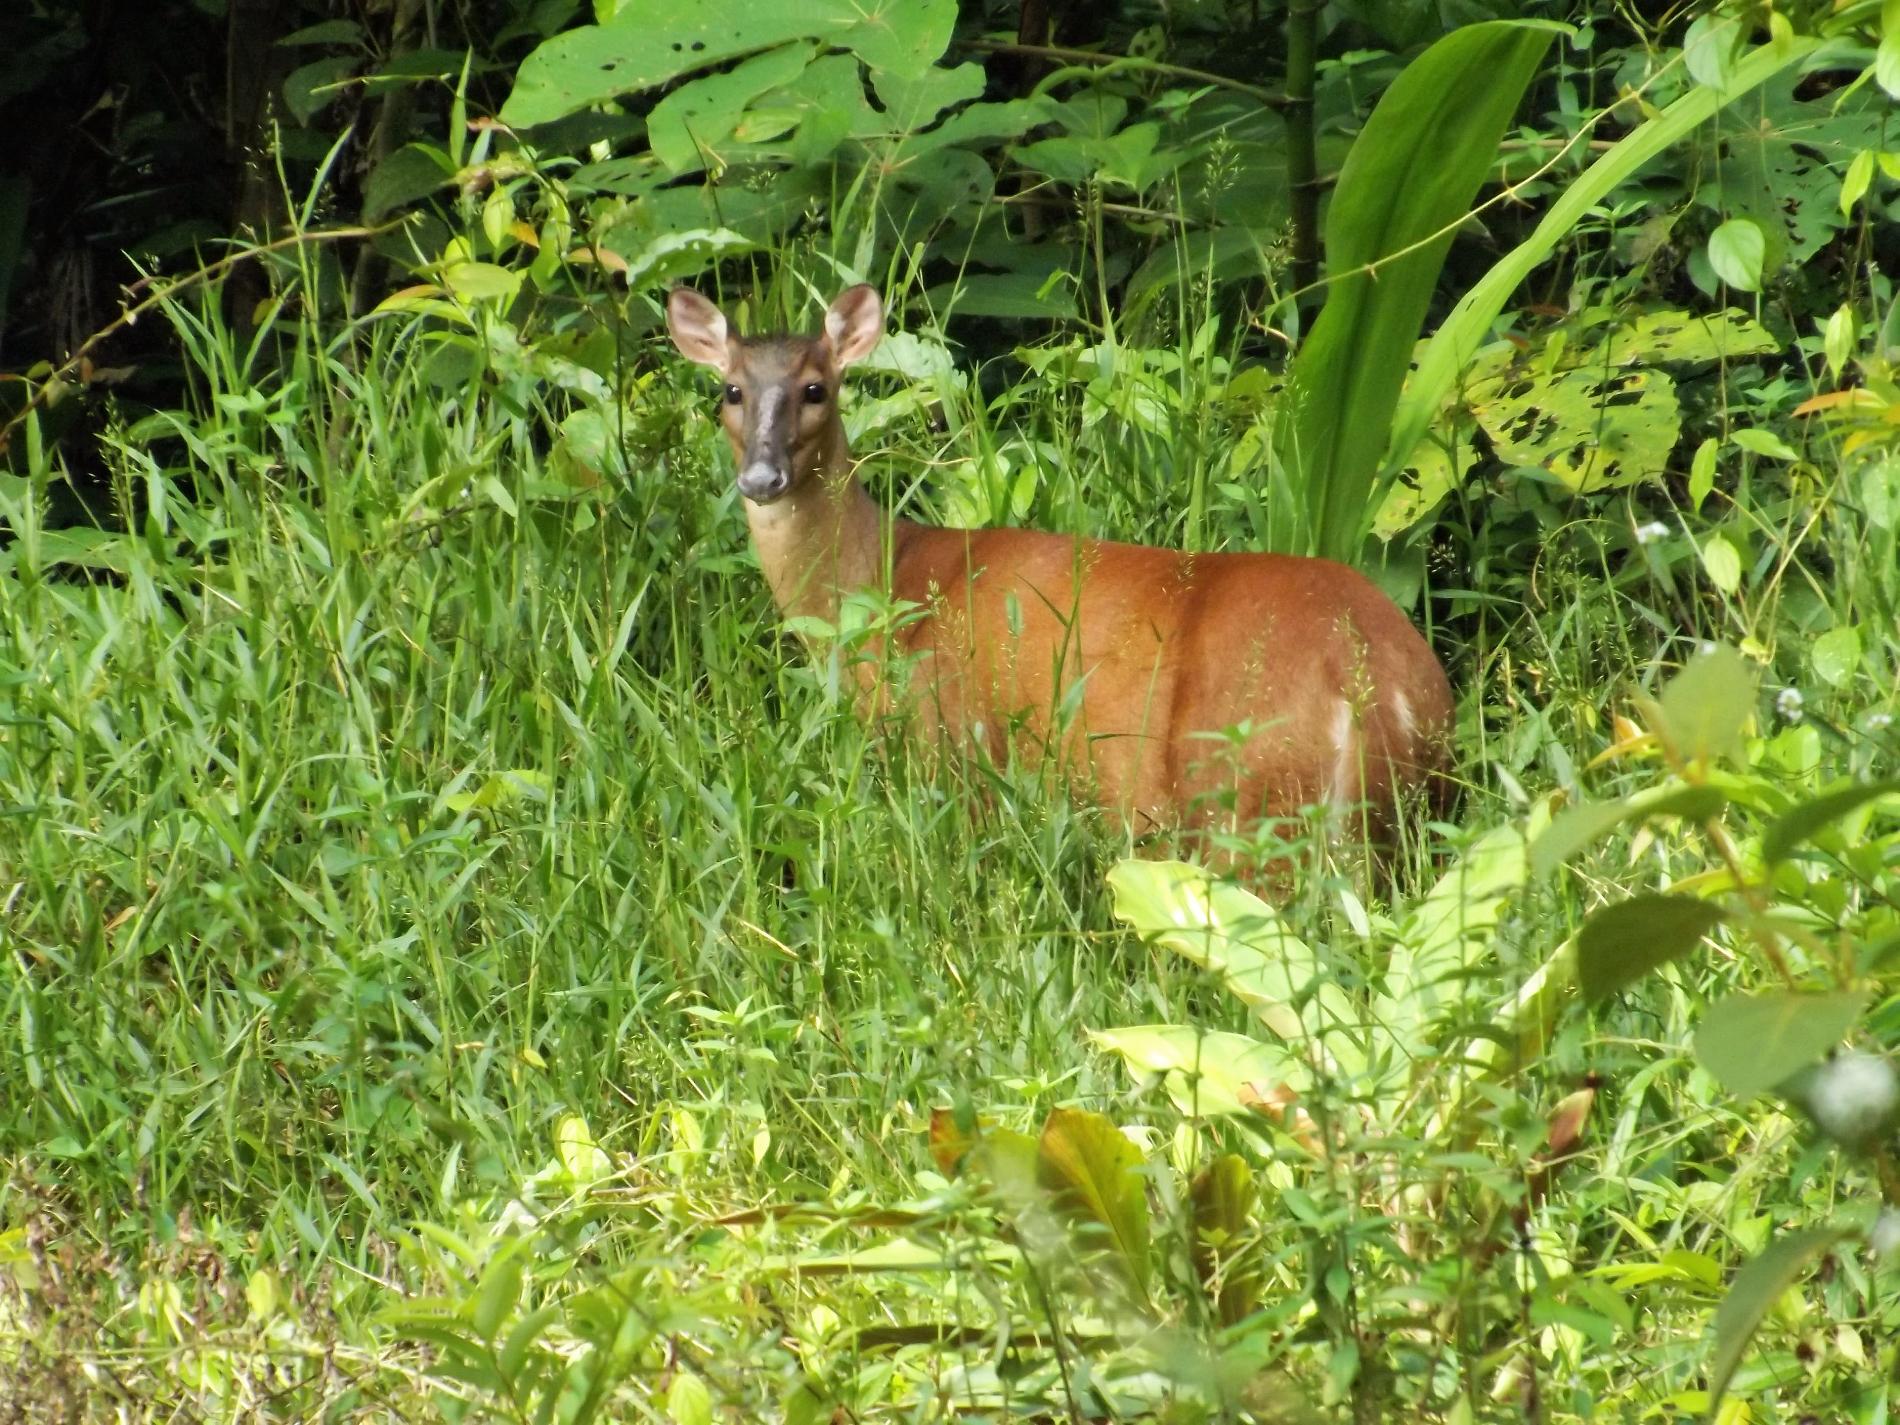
(1625, 941)
(1737, 250)
(1096, 1177)
(500, 1289)
(1753, 1042)
(1803, 821)
(1757, 1286)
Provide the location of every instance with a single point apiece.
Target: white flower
(1648, 533)
(1854, 1098)
(1788, 702)
(1880, 722)
(1885, 1237)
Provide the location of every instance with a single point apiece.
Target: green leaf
(1221, 1201)
(1578, 826)
(1446, 933)
(1887, 63)
(1839, 337)
(1753, 1042)
(1757, 1286)
(1857, 180)
(693, 123)
(1736, 252)
(688, 1401)
(1722, 563)
(1764, 442)
(1096, 1176)
(1708, 50)
(1468, 327)
(1702, 471)
(1623, 942)
(500, 1289)
(1703, 710)
(1406, 185)
(651, 42)
(1238, 936)
(1206, 1071)
(1836, 655)
(1803, 821)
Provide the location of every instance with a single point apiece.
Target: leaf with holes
(1673, 335)
(1592, 429)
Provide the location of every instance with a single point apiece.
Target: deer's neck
(823, 540)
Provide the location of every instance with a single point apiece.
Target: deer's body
(1336, 696)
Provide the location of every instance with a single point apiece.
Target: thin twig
(129, 316)
(1088, 56)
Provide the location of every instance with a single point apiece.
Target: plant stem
(1302, 155)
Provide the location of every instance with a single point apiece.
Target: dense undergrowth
(463, 958)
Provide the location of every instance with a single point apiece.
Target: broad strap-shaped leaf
(1753, 1042)
(1240, 937)
(1757, 1286)
(1466, 329)
(1623, 942)
(1405, 187)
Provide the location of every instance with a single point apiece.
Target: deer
(1182, 690)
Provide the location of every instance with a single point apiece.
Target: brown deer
(1327, 692)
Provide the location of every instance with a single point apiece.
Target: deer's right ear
(698, 329)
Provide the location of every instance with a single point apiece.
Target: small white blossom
(1880, 722)
(1854, 1098)
(1885, 1237)
(1649, 533)
(1788, 702)
(1706, 647)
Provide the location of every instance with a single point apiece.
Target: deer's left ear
(855, 324)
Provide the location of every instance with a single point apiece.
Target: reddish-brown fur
(1341, 700)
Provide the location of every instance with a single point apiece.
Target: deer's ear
(699, 329)
(855, 324)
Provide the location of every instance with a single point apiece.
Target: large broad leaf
(1207, 1072)
(1466, 329)
(1405, 187)
(1240, 937)
(1753, 1042)
(649, 42)
(1441, 938)
(1757, 1287)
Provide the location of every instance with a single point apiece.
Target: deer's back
(1113, 658)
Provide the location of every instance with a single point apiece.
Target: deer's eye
(734, 396)
(815, 394)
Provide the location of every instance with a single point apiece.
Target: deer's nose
(763, 483)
